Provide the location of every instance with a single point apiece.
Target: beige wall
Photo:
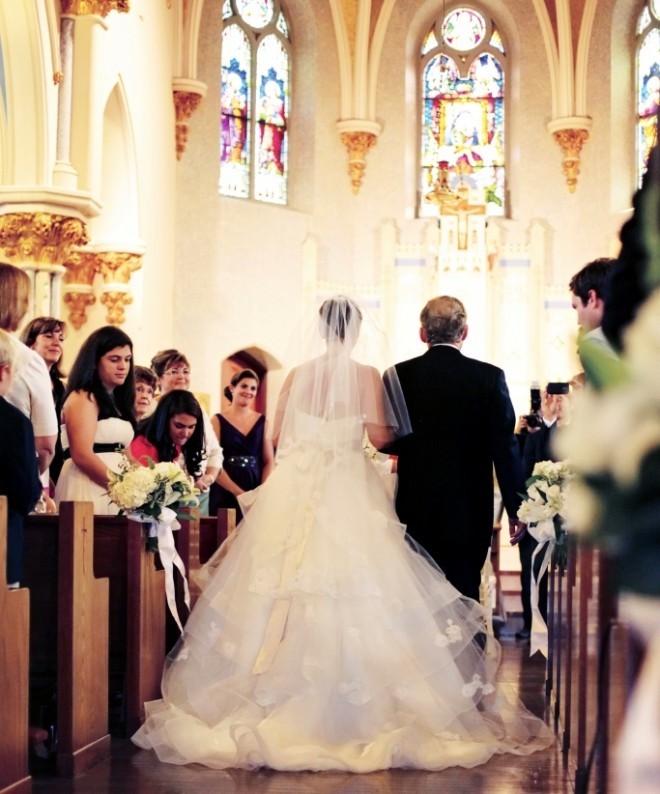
(222, 274)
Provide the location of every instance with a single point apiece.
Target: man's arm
(504, 449)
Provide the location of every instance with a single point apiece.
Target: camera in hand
(558, 387)
(533, 418)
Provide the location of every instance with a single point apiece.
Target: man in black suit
(19, 473)
(462, 423)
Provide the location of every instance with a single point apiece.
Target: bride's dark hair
(339, 315)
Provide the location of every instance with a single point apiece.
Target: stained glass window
(462, 110)
(254, 101)
(648, 83)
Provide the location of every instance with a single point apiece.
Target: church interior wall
(219, 274)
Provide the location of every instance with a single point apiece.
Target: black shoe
(523, 634)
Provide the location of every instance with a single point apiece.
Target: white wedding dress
(323, 640)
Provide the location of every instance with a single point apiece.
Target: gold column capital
(571, 134)
(79, 276)
(358, 143)
(40, 238)
(99, 8)
(115, 267)
(186, 103)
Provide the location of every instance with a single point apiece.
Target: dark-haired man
(588, 287)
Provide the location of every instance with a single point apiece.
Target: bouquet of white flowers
(542, 512)
(150, 494)
(147, 490)
(545, 501)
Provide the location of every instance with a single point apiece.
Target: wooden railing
(591, 664)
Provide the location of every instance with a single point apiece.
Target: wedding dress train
(324, 640)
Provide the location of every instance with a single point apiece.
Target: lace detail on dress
(354, 692)
(470, 689)
(451, 635)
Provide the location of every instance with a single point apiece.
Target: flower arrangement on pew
(150, 494)
(145, 493)
(544, 504)
(543, 511)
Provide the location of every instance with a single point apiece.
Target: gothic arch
(119, 219)
(29, 92)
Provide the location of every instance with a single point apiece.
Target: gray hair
(443, 320)
(7, 350)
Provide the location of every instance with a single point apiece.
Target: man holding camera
(555, 412)
(462, 420)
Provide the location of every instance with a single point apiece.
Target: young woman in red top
(174, 432)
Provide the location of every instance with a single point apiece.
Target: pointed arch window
(254, 100)
(463, 61)
(647, 70)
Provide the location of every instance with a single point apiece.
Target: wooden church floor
(130, 770)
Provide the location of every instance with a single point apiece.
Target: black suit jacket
(462, 423)
(538, 447)
(19, 480)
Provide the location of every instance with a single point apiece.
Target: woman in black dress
(246, 444)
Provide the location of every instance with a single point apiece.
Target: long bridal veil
(341, 356)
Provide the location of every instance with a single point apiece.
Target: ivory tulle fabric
(73, 485)
(324, 641)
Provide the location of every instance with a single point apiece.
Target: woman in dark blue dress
(246, 444)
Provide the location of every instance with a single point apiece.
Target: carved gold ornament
(39, 238)
(116, 300)
(99, 8)
(571, 142)
(185, 104)
(115, 267)
(358, 144)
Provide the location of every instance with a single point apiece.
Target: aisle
(130, 770)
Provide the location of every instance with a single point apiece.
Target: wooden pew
(138, 588)
(14, 650)
(590, 657)
(135, 610)
(69, 622)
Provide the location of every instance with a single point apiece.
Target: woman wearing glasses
(172, 369)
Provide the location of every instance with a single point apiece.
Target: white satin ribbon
(544, 534)
(169, 556)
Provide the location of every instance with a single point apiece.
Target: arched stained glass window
(648, 83)
(254, 100)
(462, 137)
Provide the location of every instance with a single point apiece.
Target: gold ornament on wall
(358, 144)
(115, 267)
(571, 142)
(185, 104)
(39, 238)
(99, 8)
(116, 300)
(81, 269)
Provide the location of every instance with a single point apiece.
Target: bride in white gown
(322, 640)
